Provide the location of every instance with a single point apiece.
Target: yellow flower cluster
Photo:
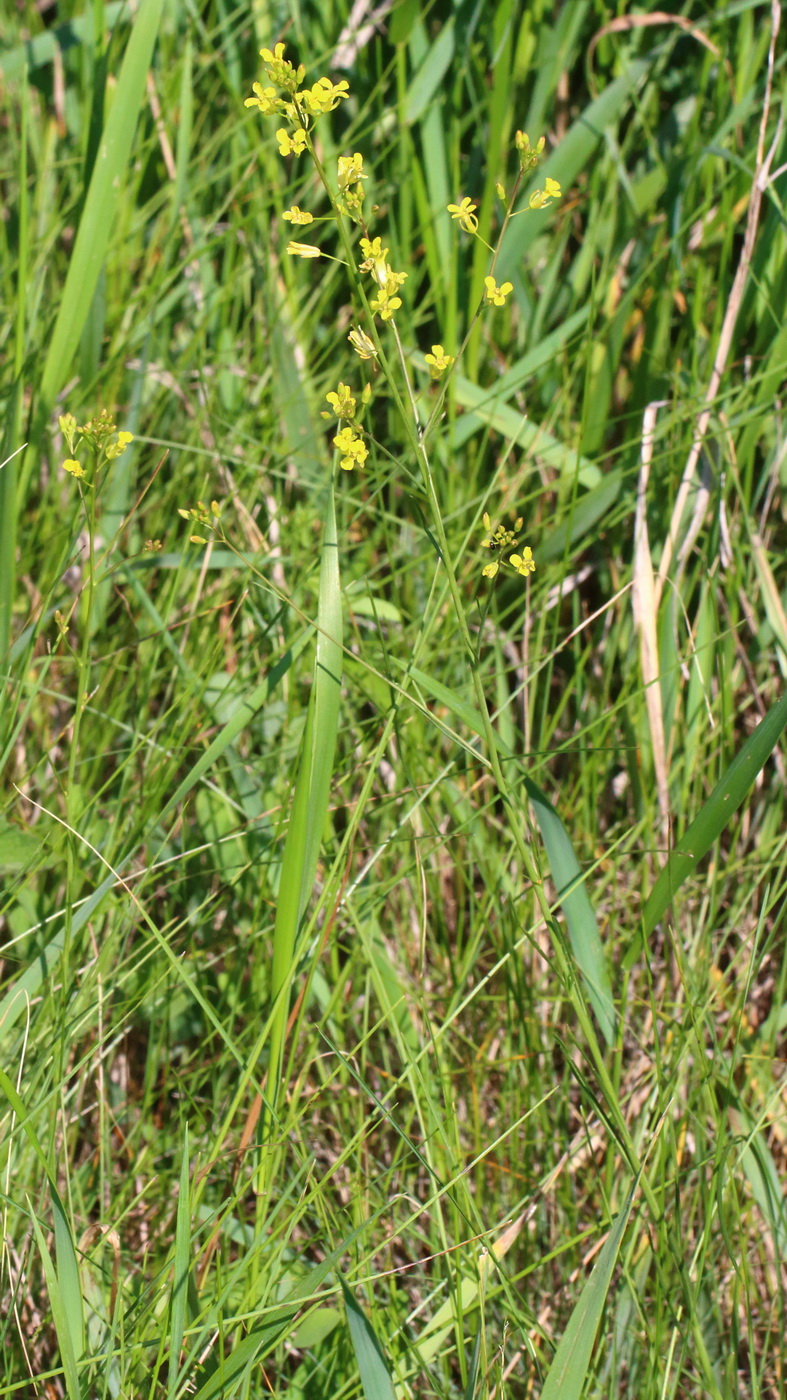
(353, 449)
(385, 300)
(501, 538)
(201, 515)
(99, 433)
(298, 105)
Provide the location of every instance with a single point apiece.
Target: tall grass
(394, 979)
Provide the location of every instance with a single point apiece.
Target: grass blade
(180, 1282)
(310, 804)
(574, 899)
(571, 1361)
(103, 196)
(725, 799)
(375, 1375)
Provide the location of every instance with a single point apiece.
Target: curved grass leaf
(571, 1361)
(725, 799)
(106, 189)
(375, 1375)
(312, 790)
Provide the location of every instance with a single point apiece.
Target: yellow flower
(265, 99)
(489, 570)
(438, 361)
(373, 253)
(353, 449)
(541, 199)
(116, 449)
(324, 95)
(75, 468)
(298, 216)
(280, 70)
(294, 145)
(342, 401)
(385, 305)
(495, 295)
(303, 250)
(362, 344)
(465, 213)
(350, 170)
(524, 563)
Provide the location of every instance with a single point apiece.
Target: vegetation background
(489, 1137)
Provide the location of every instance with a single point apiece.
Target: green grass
(382, 1012)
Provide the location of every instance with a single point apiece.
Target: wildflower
(541, 199)
(298, 216)
(303, 250)
(350, 170)
(281, 71)
(438, 361)
(465, 213)
(373, 253)
(384, 304)
(294, 145)
(495, 295)
(117, 448)
(528, 155)
(265, 99)
(74, 467)
(68, 427)
(489, 570)
(353, 449)
(324, 95)
(500, 537)
(524, 563)
(342, 401)
(362, 345)
(201, 515)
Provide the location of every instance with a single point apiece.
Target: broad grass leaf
(726, 798)
(571, 1361)
(375, 1375)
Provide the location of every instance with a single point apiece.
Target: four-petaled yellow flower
(294, 145)
(265, 99)
(303, 250)
(362, 344)
(350, 170)
(324, 95)
(298, 216)
(353, 449)
(438, 361)
(117, 448)
(524, 563)
(495, 295)
(74, 467)
(373, 254)
(465, 213)
(541, 199)
(342, 401)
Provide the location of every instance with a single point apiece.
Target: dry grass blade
(645, 606)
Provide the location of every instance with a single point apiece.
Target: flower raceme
(500, 538)
(353, 449)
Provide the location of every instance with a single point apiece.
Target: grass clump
(392, 836)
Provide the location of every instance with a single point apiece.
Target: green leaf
(180, 1282)
(571, 1361)
(103, 197)
(572, 892)
(312, 791)
(375, 1375)
(708, 825)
